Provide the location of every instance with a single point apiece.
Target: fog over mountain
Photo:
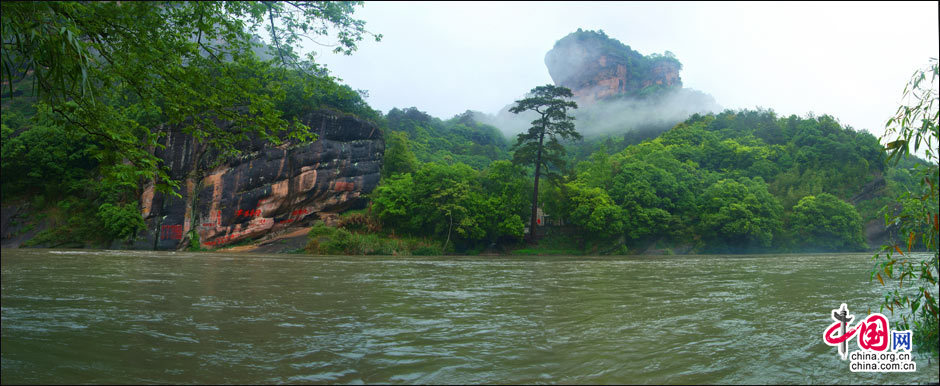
(615, 115)
(617, 88)
(849, 60)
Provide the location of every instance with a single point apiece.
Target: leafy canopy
(553, 122)
(739, 214)
(551, 104)
(826, 223)
(440, 200)
(915, 214)
(398, 157)
(120, 71)
(460, 139)
(454, 202)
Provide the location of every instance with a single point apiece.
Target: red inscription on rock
(171, 232)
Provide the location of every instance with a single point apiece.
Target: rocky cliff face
(875, 231)
(665, 73)
(595, 67)
(270, 189)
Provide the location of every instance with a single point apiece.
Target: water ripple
(143, 316)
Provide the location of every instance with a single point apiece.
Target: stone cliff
(270, 189)
(595, 67)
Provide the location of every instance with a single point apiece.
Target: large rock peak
(595, 66)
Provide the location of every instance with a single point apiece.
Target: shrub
(359, 222)
(120, 221)
(826, 223)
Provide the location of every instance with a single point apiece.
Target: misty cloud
(615, 115)
(850, 60)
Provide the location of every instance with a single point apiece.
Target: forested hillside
(61, 188)
(744, 181)
(735, 181)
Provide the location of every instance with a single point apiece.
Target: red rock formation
(595, 66)
(268, 190)
(664, 73)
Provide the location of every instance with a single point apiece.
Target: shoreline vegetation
(350, 236)
(744, 181)
(734, 182)
(106, 103)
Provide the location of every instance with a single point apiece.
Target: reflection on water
(169, 317)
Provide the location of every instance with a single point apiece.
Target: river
(85, 316)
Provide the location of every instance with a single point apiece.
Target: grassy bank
(325, 240)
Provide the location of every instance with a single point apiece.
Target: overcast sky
(850, 60)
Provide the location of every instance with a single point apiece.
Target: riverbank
(321, 240)
(356, 233)
(288, 242)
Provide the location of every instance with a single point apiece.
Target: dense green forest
(738, 181)
(93, 91)
(63, 174)
(459, 139)
(91, 88)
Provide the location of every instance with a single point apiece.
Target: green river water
(84, 316)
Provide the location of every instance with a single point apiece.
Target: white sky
(849, 60)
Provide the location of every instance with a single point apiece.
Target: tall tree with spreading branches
(540, 144)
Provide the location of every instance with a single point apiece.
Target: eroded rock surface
(595, 67)
(270, 189)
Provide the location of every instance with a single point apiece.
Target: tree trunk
(535, 191)
(448, 232)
